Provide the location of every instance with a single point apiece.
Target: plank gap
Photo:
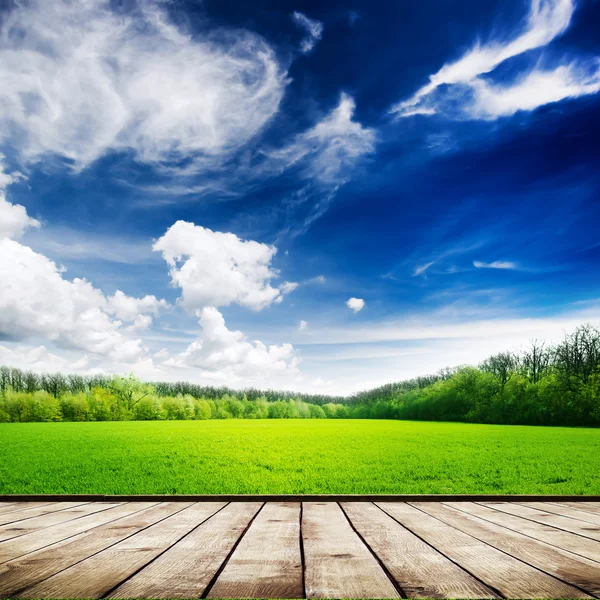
(233, 549)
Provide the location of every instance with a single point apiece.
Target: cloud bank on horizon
(180, 195)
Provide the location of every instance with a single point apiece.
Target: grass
(293, 456)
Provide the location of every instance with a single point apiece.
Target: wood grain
(563, 565)
(10, 506)
(542, 516)
(337, 563)
(29, 511)
(566, 511)
(539, 531)
(37, 540)
(511, 577)
(593, 507)
(267, 563)
(186, 569)
(99, 574)
(420, 570)
(18, 574)
(13, 530)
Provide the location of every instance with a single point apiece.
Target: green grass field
(296, 456)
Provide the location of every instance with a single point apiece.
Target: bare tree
(535, 361)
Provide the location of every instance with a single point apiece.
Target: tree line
(542, 385)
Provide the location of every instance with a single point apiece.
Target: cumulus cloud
(355, 304)
(462, 88)
(313, 29)
(225, 355)
(127, 308)
(497, 264)
(78, 79)
(37, 300)
(14, 219)
(218, 269)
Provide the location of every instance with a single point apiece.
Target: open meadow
(288, 456)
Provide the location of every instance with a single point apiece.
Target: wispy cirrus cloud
(497, 264)
(325, 156)
(80, 79)
(312, 28)
(462, 89)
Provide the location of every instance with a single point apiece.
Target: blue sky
(320, 196)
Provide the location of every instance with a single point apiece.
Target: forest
(542, 385)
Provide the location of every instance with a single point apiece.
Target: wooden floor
(295, 550)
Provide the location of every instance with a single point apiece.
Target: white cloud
(331, 148)
(420, 269)
(288, 286)
(224, 355)
(326, 156)
(127, 308)
(537, 88)
(218, 269)
(78, 79)
(355, 304)
(14, 219)
(481, 99)
(313, 29)
(36, 300)
(497, 264)
(302, 325)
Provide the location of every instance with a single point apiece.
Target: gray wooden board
(420, 570)
(267, 563)
(42, 538)
(18, 574)
(576, 526)
(556, 562)
(566, 511)
(12, 530)
(29, 511)
(510, 576)
(99, 574)
(186, 569)
(337, 563)
(539, 531)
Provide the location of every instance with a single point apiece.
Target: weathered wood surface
(267, 563)
(187, 569)
(286, 549)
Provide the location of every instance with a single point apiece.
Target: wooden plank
(503, 573)
(10, 506)
(420, 570)
(35, 510)
(187, 569)
(565, 511)
(337, 563)
(561, 564)
(593, 507)
(540, 516)
(37, 540)
(539, 531)
(267, 563)
(13, 530)
(18, 574)
(101, 573)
